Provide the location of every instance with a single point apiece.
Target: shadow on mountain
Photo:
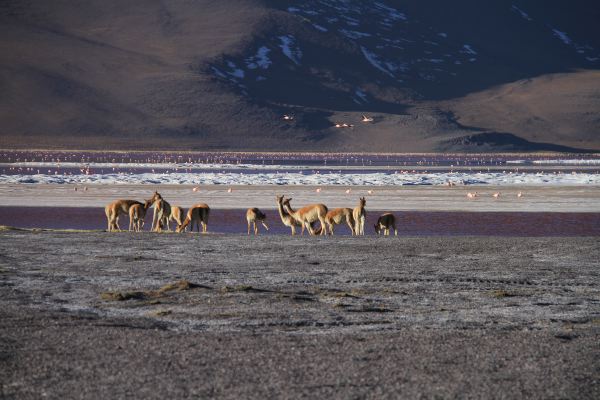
(501, 142)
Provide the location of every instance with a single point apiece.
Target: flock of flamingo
(364, 118)
(496, 195)
(305, 218)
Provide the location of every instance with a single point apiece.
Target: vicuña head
(155, 196)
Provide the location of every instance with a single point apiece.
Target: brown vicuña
(198, 215)
(115, 209)
(137, 214)
(286, 218)
(339, 216)
(254, 215)
(359, 214)
(385, 222)
(118, 207)
(308, 214)
(160, 218)
(177, 214)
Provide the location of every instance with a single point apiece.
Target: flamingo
(366, 119)
(496, 195)
(348, 191)
(519, 195)
(318, 190)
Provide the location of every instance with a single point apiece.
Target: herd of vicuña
(305, 218)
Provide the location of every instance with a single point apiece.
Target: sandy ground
(535, 198)
(91, 314)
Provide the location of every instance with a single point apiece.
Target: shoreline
(571, 199)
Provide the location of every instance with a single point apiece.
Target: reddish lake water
(410, 223)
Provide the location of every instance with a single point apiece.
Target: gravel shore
(96, 315)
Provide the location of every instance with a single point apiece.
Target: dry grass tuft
(149, 294)
(160, 313)
(181, 285)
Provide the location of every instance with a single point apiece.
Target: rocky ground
(96, 315)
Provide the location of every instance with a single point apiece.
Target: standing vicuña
(176, 215)
(286, 218)
(338, 216)
(252, 216)
(307, 215)
(385, 222)
(116, 208)
(360, 214)
(160, 218)
(137, 214)
(197, 214)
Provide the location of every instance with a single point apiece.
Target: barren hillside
(433, 75)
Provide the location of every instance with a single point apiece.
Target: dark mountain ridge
(433, 75)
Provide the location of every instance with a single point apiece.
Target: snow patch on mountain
(391, 11)
(360, 96)
(562, 36)
(582, 49)
(467, 49)
(260, 59)
(373, 59)
(290, 49)
(354, 34)
(522, 13)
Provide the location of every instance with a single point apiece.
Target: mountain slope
(435, 75)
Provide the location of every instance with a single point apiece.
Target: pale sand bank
(415, 198)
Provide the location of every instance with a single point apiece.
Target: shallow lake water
(409, 223)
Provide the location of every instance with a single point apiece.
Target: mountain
(460, 75)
